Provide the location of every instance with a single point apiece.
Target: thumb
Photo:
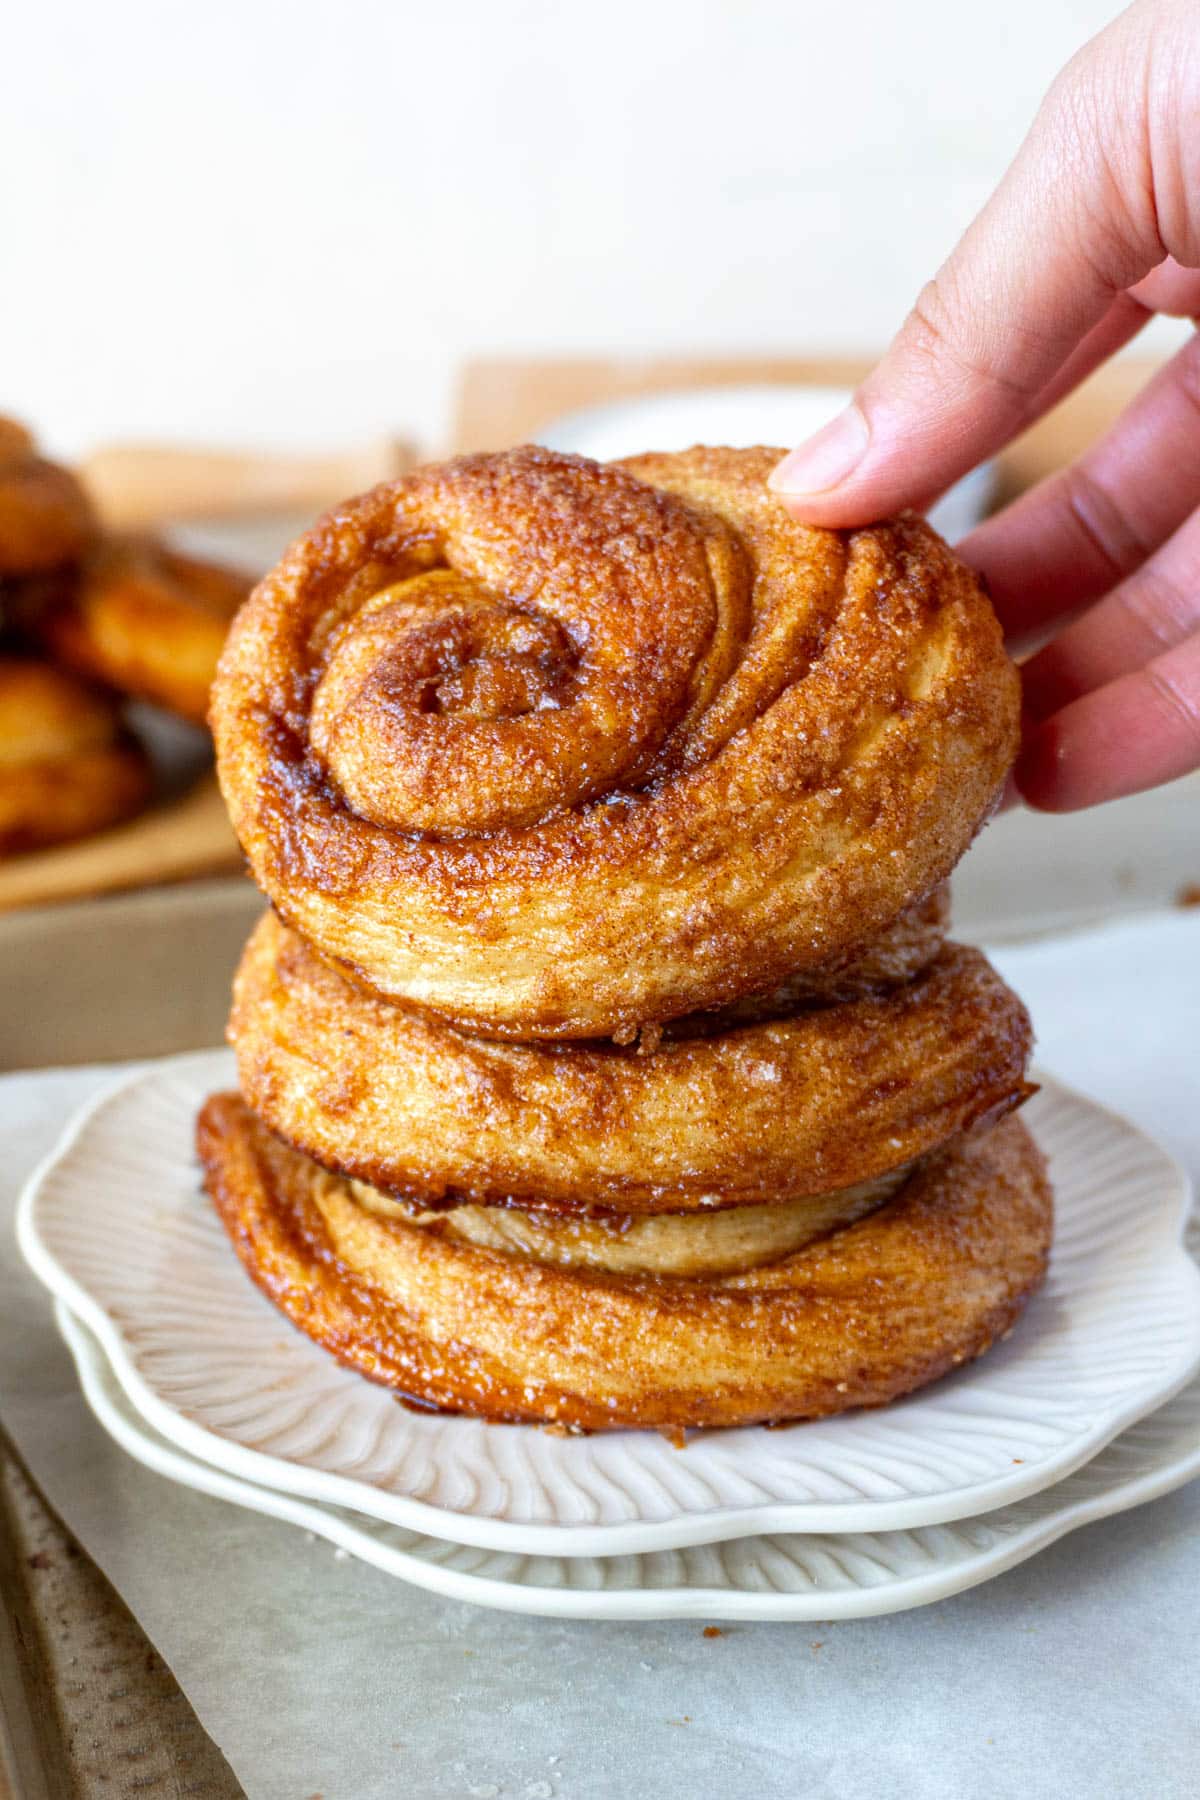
(1073, 224)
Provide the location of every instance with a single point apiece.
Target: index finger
(1070, 227)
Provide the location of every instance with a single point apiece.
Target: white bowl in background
(762, 413)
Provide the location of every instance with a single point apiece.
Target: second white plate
(117, 1226)
(801, 1576)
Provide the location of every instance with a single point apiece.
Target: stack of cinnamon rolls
(602, 1060)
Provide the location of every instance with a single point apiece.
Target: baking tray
(87, 1705)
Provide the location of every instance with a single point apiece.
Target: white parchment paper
(1076, 1674)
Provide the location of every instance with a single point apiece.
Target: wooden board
(87, 1705)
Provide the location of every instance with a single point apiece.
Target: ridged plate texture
(784, 1577)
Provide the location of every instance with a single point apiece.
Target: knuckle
(1094, 131)
(1159, 608)
(933, 316)
(944, 328)
(1187, 371)
(1179, 692)
(1173, 96)
(1101, 519)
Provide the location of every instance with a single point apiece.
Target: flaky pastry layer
(696, 1245)
(763, 1112)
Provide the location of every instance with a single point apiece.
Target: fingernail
(825, 460)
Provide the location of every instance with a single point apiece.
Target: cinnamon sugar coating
(741, 1114)
(562, 750)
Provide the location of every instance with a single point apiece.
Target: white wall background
(258, 221)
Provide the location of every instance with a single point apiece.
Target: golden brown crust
(763, 1112)
(46, 520)
(561, 750)
(67, 765)
(142, 619)
(873, 1311)
(900, 952)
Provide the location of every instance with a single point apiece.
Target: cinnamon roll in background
(115, 617)
(46, 520)
(139, 617)
(603, 1061)
(67, 765)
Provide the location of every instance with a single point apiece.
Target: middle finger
(1073, 536)
(1152, 611)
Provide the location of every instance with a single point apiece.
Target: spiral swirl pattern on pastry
(560, 750)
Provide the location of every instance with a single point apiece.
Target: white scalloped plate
(804, 1576)
(115, 1223)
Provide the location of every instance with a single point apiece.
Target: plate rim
(261, 1468)
(682, 1601)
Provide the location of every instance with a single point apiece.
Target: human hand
(1095, 228)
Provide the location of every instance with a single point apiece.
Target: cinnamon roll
(563, 750)
(855, 1318)
(139, 617)
(745, 1115)
(68, 767)
(603, 1061)
(46, 520)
